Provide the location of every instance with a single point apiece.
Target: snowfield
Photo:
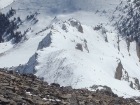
(5, 3)
(73, 44)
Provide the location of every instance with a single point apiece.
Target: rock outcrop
(118, 73)
(27, 89)
(79, 47)
(138, 50)
(122, 74)
(80, 29)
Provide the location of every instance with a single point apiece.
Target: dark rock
(131, 84)
(4, 101)
(55, 84)
(79, 47)
(118, 73)
(28, 100)
(11, 72)
(80, 29)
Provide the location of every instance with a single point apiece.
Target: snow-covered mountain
(74, 42)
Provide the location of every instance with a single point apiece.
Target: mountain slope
(69, 57)
(73, 42)
(43, 14)
(34, 91)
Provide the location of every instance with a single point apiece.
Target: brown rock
(118, 73)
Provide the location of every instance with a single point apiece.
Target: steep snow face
(43, 16)
(80, 56)
(79, 51)
(23, 51)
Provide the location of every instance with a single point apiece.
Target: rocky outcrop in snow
(118, 73)
(123, 75)
(79, 47)
(138, 50)
(45, 42)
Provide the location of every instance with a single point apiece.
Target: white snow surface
(52, 53)
(5, 3)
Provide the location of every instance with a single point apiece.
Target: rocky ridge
(27, 89)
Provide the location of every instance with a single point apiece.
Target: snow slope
(4, 3)
(59, 61)
(73, 43)
(47, 17)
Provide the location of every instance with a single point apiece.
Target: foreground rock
(27, 89)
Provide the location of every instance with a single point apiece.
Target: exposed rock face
(27, 89)
(131, 84)
(79, 47)
(128, 44)
(118, 73)
(85, 46)
(122, 74)
(64, 27)
(137, 83)
(125, 75)
(80, 29)
(138, 50)
(76, 24)
(45, 42)
(118, 42)
(98, 27)
(106, 40)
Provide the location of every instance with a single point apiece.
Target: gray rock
(79, 46)
(118, 73)
(80, 29)
(4, 101)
